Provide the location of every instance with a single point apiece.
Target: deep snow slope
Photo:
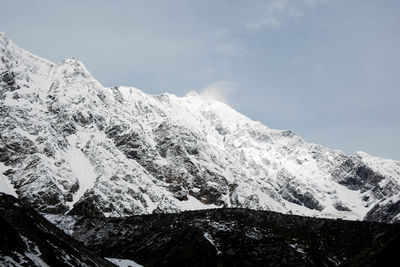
(67, 144)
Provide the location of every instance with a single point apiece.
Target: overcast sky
(326, 69)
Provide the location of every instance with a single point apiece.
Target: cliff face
(68, 144)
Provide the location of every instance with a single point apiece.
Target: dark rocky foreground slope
(27, 239)
(219, 237)
(238, 237)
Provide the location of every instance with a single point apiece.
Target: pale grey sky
(326, 69)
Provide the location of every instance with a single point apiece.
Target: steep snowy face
(378, 181)
(70, 145)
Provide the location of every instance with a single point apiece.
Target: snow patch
(123, 262)
(5, 184)
(194, 204)
(210, 239)
(81, 167)
(33, 252)
(297, 248)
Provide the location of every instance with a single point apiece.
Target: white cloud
(220, 91)
(275, 13)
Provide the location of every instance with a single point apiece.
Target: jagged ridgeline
(68, 144)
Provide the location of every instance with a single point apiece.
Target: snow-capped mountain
(68, 144)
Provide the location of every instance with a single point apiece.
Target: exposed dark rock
(117, 94)
(386, 212)
(292, 194)
(87, 207)
(356, 176)
(178, 191)
(7, 81)
(209, 195)
(340, 207)
(13, 149)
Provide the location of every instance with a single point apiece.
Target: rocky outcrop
(378, 182)
(388, 211)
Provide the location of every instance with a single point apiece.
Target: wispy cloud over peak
(220, 90)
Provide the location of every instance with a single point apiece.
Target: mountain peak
(73, 66)
(164, 153)
(74, 62)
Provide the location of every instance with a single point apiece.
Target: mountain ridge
(163, 153)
